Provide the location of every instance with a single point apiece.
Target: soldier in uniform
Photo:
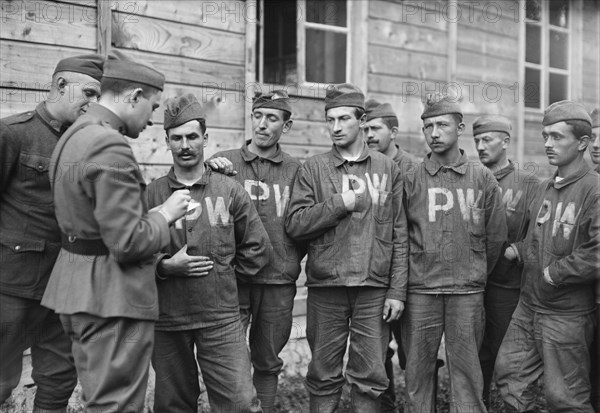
(347, 203)
(30, 238)
(220, 238)
(267, 299)
(595, 141)
(551, 331)
(102, 284)
(456, 226)
(381, 134)
(492, 134)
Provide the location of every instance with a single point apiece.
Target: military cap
(438, 105)
(595, 115)
(565, 110)
(87, 64)
(120, 66)
(277, 99)
(492, 123)
(182, 109)
(375, 109)
(344, 94)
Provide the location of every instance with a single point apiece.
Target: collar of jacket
(501, 173)
(107, 117)
(338, 159)
(58, 127)
(250, 156)
(175, 184)
(459, 167)
(581, 172)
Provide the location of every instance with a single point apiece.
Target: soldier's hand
(222, 165)
(510, 253)
(183, 265)
(392, 309)
(349, 198)
(176, 205)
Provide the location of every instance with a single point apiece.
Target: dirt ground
(292, 396)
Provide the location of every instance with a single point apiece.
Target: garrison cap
(595, 115)
(87, 64)
(277, 99)
(565, 110)
(492, 123)
(182, 109)
(120, 66)
(375, 109)
(344, 94)
(438, 105)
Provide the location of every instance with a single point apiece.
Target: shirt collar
(175, 184)
(339, 160)
(580, 173)
(501, 173)
(55, 124)
(107, 117)
(250, 156)
(459, 167)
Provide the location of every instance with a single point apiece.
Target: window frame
(301, 27)
(544, 65)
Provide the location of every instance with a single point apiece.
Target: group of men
(102, 275)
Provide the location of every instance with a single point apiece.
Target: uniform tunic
(268, 181)
(366, 247)
(29, 234)
(98, 192)
(224, 227)
(457, 227)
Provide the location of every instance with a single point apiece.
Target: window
(302, 41)
(547, 51)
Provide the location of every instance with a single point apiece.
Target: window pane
(325, 56)
(559, 12)
(533, 9)
(558, 87)
(559, 47)
(332, 12)
(534, 43)
(532, 88)
(279, 54)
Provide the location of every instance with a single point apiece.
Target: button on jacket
(518, 189)
(366, 247)
(29, 234)
(224, 227)
(268, 181)
(564, 236)
(456, 224)
(98, 193)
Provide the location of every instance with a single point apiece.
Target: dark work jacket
(456, 226)
(29, 234)
(224, 227)
(98, 193)
(563, 236)
(268, 181)
(518, 190)
(366, 247)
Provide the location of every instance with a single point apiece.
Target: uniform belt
(84, 246)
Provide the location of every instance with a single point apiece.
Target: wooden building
(499, 56)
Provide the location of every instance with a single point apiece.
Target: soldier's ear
(136, 95)
(288, 125)
(394, 132)
(584, 141)
(61, 84)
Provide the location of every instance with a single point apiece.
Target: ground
(291, 398)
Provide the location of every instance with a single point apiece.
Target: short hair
(458, 118)
(118, 86)
(390, 121)
(286, 115)
(579, 128)
(359, 112)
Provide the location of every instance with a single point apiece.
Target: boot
(363, 403)
(325, 404)
(266, 389)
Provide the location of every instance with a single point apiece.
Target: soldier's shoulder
(289, 159)
(23, 117)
